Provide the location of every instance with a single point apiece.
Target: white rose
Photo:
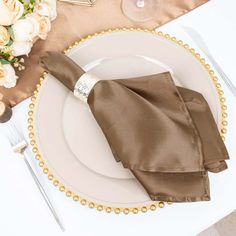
(7, 76)
(25, 29)
(44, 24)
(46, 8)
(21, 48)
(10, 11)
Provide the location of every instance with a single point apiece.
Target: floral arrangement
(22, 22)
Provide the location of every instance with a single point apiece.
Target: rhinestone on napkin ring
(84, 85)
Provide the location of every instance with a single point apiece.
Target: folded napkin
(165, 134)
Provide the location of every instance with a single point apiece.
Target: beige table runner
(75, 22)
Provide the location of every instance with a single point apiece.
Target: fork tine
(12, 137)
(7, 133)
(11, 133)
(16, 131)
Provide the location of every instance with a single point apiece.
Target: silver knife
(198, 39)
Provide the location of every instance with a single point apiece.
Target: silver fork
(19, 145)
(198, 39)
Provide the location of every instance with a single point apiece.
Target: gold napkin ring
(84, 85)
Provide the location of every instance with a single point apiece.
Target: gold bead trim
(94, 205)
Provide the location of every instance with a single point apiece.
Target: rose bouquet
(22, 22)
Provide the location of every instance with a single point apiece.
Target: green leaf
(5, 55)
(14, 60)
(10, 31)
(22, 17)
(10, 43)
(4, 62)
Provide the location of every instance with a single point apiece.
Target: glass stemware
(140, 10)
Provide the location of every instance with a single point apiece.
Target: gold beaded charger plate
(66, 139)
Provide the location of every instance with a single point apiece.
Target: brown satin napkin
(74, 22)
(164, 134)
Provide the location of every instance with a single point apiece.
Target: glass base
(140, 11)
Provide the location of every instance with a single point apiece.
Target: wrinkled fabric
(165, 134)
(74, 22)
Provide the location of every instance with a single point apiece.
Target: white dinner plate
(68, 142)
